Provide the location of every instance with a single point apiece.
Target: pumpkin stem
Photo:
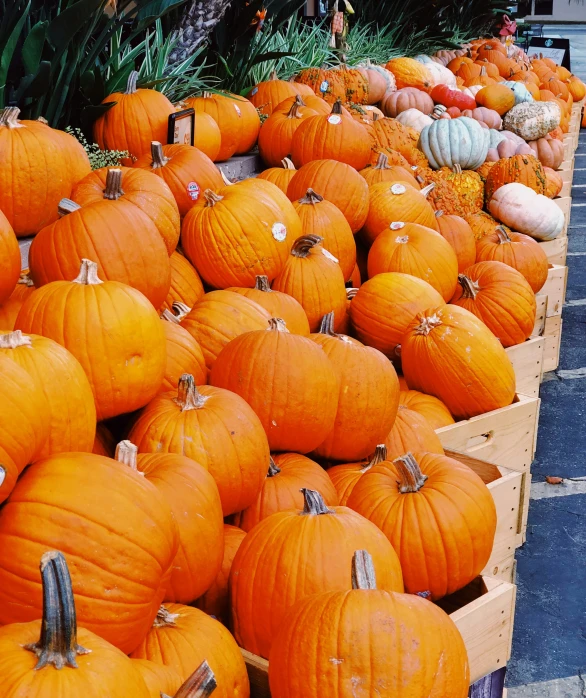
(262, 283)
(206, 95)
(25, 279)
(15, 339)
(277, 324)
(382, 162)
(313, 503)
(126, 453)
(159, 160)
(428, 189)
(201, 684)
(379, 455)
(337, 107)
(311, 197)
(224, 177)
(57, 645)
(457, 168)
(412, 479)
(438, 111)
(113, 190)
(273, 75)
(428, 323)
(165, 618)
(131, 84)
(88, 274)
(287, 164)
(273, 468)
(303, 245)
(180, 310)
(211, 197)
(363, 575)
(469, 288)
(327, 325)
(169, 317)
(351, 293)
(482, 71)
(188, 396)
(9, 117)
(67, 206)
(502, 234)
(439, 214)
(293, 113)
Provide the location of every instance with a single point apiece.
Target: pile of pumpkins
(219, 400)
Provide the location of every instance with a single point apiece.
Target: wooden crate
(553, 338)
(503, 437)
(564, 203)
(566, 170)
(507, 490)
(566, 190)
(540, 316)
(555, 289)
(527, 360)
(556, 250)
(484, 613)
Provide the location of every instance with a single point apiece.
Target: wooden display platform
(555, 289)
(553, 340)
(556, 250)
(527, 360)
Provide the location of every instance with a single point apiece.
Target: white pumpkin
(440, 75)
(533, 120)
(414, 119)
(473, 90)
(522, 209)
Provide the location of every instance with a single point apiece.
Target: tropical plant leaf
(66, 25)
(32, 47)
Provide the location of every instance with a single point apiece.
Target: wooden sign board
(556, 49)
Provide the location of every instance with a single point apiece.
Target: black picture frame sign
(556, 49)
(181, 127)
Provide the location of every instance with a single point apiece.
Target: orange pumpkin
(138, 117)
(554, 182)
(325, 82)
(268, 94)
(483, 79)
(184, 355)
(383, 172)
(446, 351)
(298, 408)
(576, 88)
(9, 259)
(248, 123)
(276, 133)
(482, 224)
(410, 73)
(557, 86)
(411, 432)
(460, 236)
(524, 169)
(500, 98)
(311, 101)
(187, 171)
(10, 308)
(288, 474)
(493, 52)
(226, 112)
(215, 428)
(390, 134)
(346, 475)
(207, 137)
(186, 286)
(456, 191)
(104, 443)
(428, 406)
(280, 176)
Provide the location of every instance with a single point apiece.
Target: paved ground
(549, 646)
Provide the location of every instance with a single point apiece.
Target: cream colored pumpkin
(440, 75)
(414, 119)
(533, 120)
(520, 208)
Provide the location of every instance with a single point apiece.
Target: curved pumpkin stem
(382, 162)
(15, 339)
(25, 279)
(273, 468)
(428, 323)
(159, 159)
(457, 169)
(502, 234)
(379, 455)
(9, 117)
(57, 645)
(303, 245)
(327, 325)
(211, 197)
(113, 190)
(313, 503)
(165, 618)
(273, 75)
(438, 111)
(287, 164)
(412, 479)
(277, 324)
(180, 310)
(363, 575)
(262, 283)
(200, 684)
(67, 206)
(88, 274)
(224, 177)
(439, 214)
(351, 293)
(470, 288)
(126, 453)
(293, 113)
(311, 197)
(337, 107)
(131, 84)
(428, 189)
(188, 396)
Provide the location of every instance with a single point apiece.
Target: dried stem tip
(188, 396)
(314, 504)
(411, 477)
(363, 575)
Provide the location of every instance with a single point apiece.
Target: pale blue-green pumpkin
(449, 142)
(495, 137)
(521, 93)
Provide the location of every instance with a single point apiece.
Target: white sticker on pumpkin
(254, 91)
(396, 225)
(334, 119)
(368, 107)
(279, 232)
(398, 189)
(238, 110)
(193, 191)
(329, 255)
(324, 86)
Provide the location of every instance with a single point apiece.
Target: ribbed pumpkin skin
(136, 120)
(453, 514)
(249, 123)
(326, 220)
(121, 352)
(237, 234)
(207, 136)
(193, 638)
(282, 491)
(158, 678)
(9, 259)
(428, 406)
(504, 301)
(186, 286)
(414, 249)
(385, 305)
(120, 237)
(409, 73)
(411, 432)
(520, 252)
(449, 142)
(224, 435)
(184, 355)
(268, 94)
(393, 103)
(460, 236)
(152, 196)
(459, 193)
(279, 176)
(346, 475)
(60, 377)
(29, 200)
(368, 395)
(336, 136)
(224, 111)
(11, 307)
(524, 169)
(219, 317)
(193, 497)
(276, 134)
(119, 579)
(392, 173)
(311, 101)
(188, 172)
(298, 407)
(396, 202)
(336, 182)
(282, 547)
(367, 633)
(216, 600)
(459, 361)
(316, 281)
(554, 182)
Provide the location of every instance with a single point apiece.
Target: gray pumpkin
(451, 142)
